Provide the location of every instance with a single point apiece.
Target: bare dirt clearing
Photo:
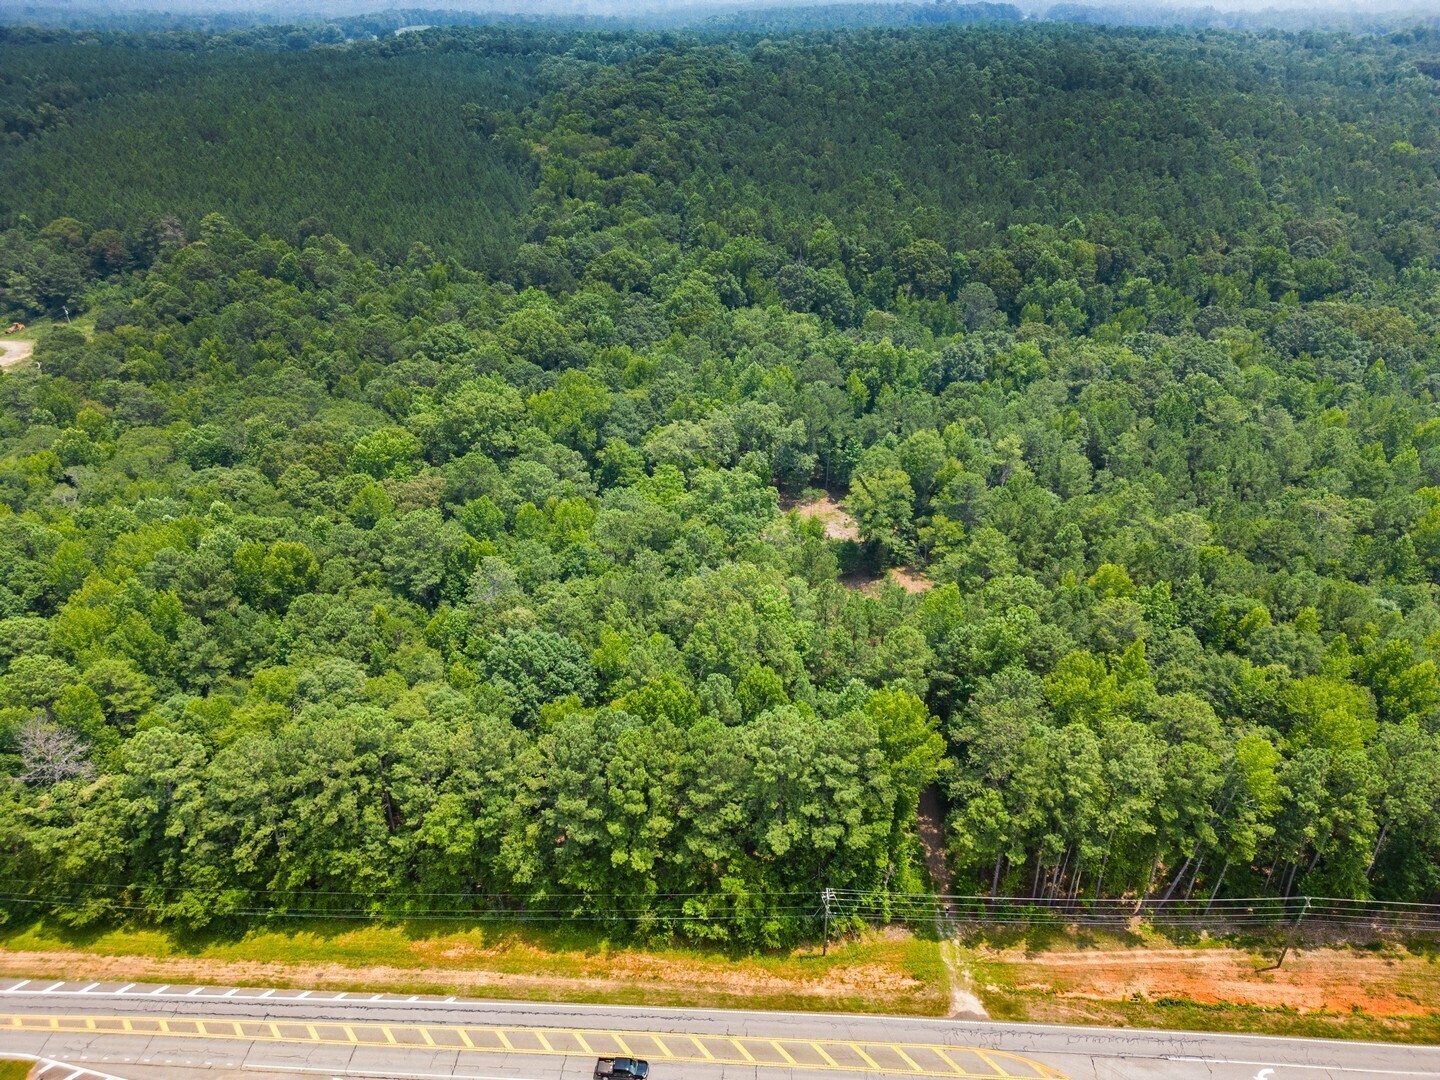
(14, 353)
(910, 579)
(1389, 984)
(839, 525)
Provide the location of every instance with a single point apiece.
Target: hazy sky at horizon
(633, 7)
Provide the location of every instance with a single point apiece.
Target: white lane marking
(376, 997)
(412, 998)
(122, 989)
(50, 1063)
(52, 986)
(89, 988)
(197, 990)
(340, 995)
(74, 1074)
(161, 990)
(267, 993)
(12, 989)
(387, 1074)
(1264, 1074)
(304, 994)
(1272, 1066)
(231, 993)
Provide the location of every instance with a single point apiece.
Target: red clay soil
(1333, 980)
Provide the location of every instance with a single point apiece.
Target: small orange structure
(15, 328)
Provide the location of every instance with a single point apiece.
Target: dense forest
(425, 500)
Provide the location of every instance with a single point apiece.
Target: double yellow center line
(829, 1055)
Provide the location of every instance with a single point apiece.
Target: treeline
(293, 28)
(1153, 146)
(325, 574)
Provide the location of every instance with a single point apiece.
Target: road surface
(14, 353)
(145, 1032)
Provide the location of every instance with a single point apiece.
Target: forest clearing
(13, 353)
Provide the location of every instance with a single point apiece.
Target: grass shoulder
(881, 972)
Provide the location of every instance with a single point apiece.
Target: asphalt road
(139, 1032)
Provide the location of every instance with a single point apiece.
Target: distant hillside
(374, 143)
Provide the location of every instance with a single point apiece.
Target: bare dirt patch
(1312, 980)
(839, 525)
(910, 579)
(13, 353)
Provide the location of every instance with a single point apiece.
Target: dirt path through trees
(964, 1002)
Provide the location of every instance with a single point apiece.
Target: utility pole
(826, 899)
(67, 315)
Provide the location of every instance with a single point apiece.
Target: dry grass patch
(882, 972)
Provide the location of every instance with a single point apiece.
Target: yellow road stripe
(371, 1035)
(861, 1051)
(943, 1056)
(907, 1059)
(990, 1061)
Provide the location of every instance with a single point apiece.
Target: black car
(621, 1069)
